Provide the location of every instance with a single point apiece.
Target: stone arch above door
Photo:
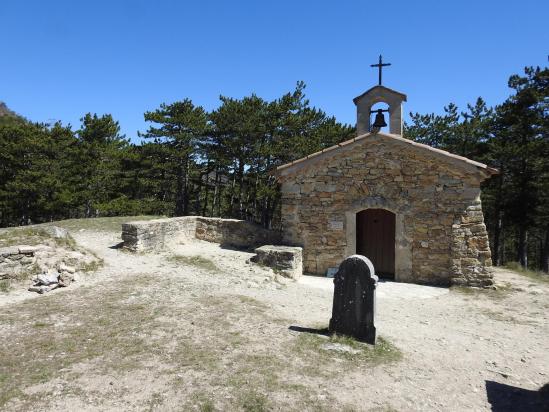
(403, 241)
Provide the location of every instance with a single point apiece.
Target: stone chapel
(413, 210)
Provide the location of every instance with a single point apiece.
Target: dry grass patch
(7, 285)
(196, 261)
(205, 353)
(33, 236)
(100, 224)
(53, 333)
(502, 317)
(36, 235)
(91, 266)
(535, 275)
(382, 352)
(502, 291)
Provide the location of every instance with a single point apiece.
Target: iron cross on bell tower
(379, 121)
(380, 66)
(379, 94)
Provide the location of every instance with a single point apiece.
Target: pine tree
(97, 163)
(181, 127)
(521, 140)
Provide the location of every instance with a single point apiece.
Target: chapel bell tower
(379, 94)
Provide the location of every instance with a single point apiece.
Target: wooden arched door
(375, 239)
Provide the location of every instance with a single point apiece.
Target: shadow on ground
(117, 246)
(323, 331)
(506, 398)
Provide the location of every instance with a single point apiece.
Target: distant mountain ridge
(5, 111)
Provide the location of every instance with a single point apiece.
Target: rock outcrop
(54, 262)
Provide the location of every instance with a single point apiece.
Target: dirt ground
(199, 328)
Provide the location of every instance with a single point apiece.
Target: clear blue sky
(61, 59)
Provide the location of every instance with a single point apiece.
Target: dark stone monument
(355, 299)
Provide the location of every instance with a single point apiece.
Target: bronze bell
(379, 122)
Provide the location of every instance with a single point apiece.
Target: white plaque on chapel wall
(335, 225)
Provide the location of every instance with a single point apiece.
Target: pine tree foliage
(513, 137)
(219, 163)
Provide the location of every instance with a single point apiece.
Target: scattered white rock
(56, 232)
(47, 279)
(65, 268)
(52, 279)
(27, 250)
(66, 278)
(42, 288)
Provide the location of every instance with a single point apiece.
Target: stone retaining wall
(154, 234)
(16, 260)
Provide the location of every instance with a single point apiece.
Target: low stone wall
(16, 260)
(154, 234)
(287, 260)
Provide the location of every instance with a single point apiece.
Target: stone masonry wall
(472, 258)
(153, 234)
(16, 260)
(440, 233)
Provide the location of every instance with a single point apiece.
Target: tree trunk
(163, 186)
(255, 202)
(241, 189)
(216, 188)
(233, 197)
(265, 214)
(186, 188)
(206, 195)
(499, 239)
(503, 249)
(179, 193)
(540, 252)
(88, 208)
(497, 252)
(545, 254)
(523, 247)
(197, 201)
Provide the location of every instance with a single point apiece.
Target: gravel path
(462, 350)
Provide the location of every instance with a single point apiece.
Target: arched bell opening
(375, 239)
(370, 100)
(380, 117)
